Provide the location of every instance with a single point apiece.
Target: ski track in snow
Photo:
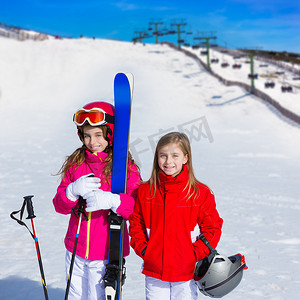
(247, 154)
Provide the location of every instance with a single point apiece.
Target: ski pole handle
(81, 202)
(29, 206)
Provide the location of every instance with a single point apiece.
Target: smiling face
(171, 159)
(93, 139)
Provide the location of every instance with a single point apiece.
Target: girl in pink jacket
(95, 123)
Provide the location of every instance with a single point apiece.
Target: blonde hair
(182, 141)
(79, 155)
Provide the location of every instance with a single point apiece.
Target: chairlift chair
(236, 66)
(214, 60)
(253, 76)
(269, 84)
(224, 64)
(286, 88)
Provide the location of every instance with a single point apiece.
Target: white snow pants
(157, 289)
(87, 278)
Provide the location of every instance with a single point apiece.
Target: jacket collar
(182, 177)
(94, 158)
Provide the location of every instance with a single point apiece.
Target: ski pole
(31, 216)
(28, 203)
(80, 212)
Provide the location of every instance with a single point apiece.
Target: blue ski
(122, 95)
(115, 271)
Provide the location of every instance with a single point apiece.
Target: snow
(266, 71)
(247, 153)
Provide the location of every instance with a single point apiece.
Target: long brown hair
(182, 141)
(79, 155)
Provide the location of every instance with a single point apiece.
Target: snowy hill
(245, 152)
(235, 66)
(14, 32)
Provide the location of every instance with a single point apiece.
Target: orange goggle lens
(94, 117)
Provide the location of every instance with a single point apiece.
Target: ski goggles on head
(94, 117)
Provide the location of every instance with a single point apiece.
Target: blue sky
(264, 24)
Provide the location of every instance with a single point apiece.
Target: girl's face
(93, 139)
(171, 159)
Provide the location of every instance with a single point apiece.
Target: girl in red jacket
(170, 212)
(95, 123)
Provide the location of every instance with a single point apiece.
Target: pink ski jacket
(94, 233)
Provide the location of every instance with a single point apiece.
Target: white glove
(82, 186)
(96, 200)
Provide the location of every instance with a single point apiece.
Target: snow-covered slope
(246, 153)
(20, 34)
(265, 71)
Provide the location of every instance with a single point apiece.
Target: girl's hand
(82, 186)
(96, 200)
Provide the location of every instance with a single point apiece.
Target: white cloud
(125, 5)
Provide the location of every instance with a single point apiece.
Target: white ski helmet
(217, 275)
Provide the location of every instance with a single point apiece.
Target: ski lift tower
(252, 75)
(205, 36)
(140, 36)
(179, 25)
(156, 32)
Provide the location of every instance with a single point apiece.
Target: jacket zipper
(88, 236)
(164, 228)
(89, 219)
